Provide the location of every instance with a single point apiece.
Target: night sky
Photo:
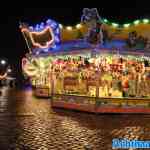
(12, 44)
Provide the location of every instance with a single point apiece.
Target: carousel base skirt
(101, 109)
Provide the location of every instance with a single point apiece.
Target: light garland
(69, 28)
(145, 21)
(126, 25)
(115, 25)
(77, 26)
(136, 22)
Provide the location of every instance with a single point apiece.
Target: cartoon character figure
(93, 21)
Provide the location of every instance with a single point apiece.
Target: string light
(126, 25)
(136, 22)
(69, 28)
(115, 25)
(145, 21)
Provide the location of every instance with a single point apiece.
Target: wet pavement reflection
(28, 123)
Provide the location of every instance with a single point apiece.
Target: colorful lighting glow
(78, 26)
(126, 25)
(69, 28)
(115, 25)
(136, 22)
(145, 21)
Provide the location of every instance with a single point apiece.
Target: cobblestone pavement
(28, 123)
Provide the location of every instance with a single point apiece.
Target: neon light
(136, 22)
(38, 33)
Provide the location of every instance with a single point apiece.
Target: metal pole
(27, 42)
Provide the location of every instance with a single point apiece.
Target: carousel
(91, 67)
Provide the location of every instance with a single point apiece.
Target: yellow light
(115, 25)
(78, 26)
(38, 33)
(69, 28)
(126, 25)
(145, 21)
(136, 22)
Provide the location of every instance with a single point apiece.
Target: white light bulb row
(136, 22)
(70, 28)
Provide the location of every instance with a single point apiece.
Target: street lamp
(3, 62)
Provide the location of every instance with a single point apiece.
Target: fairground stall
(91, 67)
